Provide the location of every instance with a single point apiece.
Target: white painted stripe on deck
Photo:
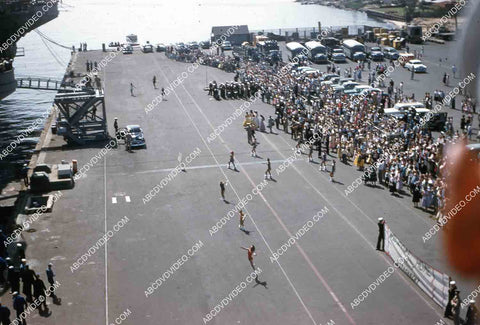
(369, 243)
(127, 198)
(236, 194)
(114, 200)
(167, 170)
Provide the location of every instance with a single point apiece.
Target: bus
(354, 50)
(317, 52)
(295, 49)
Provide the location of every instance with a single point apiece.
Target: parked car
(416, 65)
(138, 140)
(127, 49)
(437, 122)
(330, 76)
(350, 85)
(333, 81)
(338, 57)
(344, 80)
(320, 58)
(390, 53)
(205, 45)
(161, 47)
(193, 45)
(358, 89)
(226, 45)
(147, 48)
(376, 54)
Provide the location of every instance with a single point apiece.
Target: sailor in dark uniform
(471, 317)
(451, 293)
(381, 235)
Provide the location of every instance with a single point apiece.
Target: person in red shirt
(250, 253)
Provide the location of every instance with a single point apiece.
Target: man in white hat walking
(471, 317)
(381, 235)
(451, 293)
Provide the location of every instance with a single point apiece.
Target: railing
(39, 83)
(20, 51)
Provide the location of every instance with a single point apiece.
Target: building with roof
(234, 34)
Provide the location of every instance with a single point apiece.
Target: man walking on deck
(268, 172)
(115, 125)
(163, 94)
(19, 304)
(131, 89)
(154, 82)
(381, 235)
(222, 190)
(4, 315)
(50, 277)
(231, 161)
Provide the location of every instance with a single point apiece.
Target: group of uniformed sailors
(232, 90)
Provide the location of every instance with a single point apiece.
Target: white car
(226, 45)
(127, 49)
(350, 85)
(358, 89)
(416, 65)
(309, 71)
(331, 82)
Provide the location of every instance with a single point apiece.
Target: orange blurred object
(462, 235)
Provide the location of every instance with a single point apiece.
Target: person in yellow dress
(242, 220)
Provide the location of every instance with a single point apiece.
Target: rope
(59, 61)
(43, 36)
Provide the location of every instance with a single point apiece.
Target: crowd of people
(403, 154)
(220, 61)
(22, 279)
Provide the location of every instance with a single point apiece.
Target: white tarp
(433, 282)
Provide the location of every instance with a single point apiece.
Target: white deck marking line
(127, 198)
(106, 244)
(167, 170)
(388, 260)
(276, 215)
(239, 199)
(114, 200)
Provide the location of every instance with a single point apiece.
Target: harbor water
(97, 22)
